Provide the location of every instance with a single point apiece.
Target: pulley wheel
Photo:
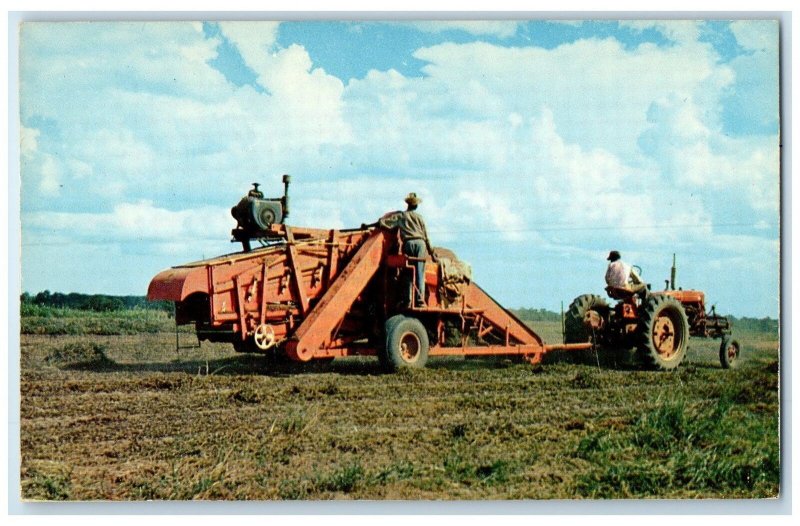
(264, 336)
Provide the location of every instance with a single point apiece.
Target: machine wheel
(575, 330)
(388, 327)
(264, 336)
(406, 344)
(729, 351)
(663, 333)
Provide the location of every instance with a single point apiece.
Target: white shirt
(617, 274)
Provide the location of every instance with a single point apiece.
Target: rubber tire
(724, 359)
(388, 326)
(398, 330)
(574, 329)
(656, 306)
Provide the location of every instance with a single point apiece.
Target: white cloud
(140, 221)
(254, 40)
(752, 105)
(28, 141)
(50, 177)
(679, 31)
(599, 92)
(692, 155)
(578, 147)
(756, 35)
(308, 99)
(498, 28)
(493, 211)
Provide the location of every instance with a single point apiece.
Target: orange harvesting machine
(316, 294)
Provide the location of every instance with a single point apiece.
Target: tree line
(92, 302)
(105, 302)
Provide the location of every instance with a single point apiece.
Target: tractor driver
(416, 244)
(620, 275)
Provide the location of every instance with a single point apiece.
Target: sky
(536, 146)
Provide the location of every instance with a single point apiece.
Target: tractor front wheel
(729, 351)
(406, 344)
(663, 332)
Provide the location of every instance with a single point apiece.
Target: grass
(80, 354)
(36, 319)
(719, 446)
(128, 418)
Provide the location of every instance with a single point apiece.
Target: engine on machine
(255, 214)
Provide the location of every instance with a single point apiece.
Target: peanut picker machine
(314, 294)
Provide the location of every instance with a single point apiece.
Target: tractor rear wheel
(663, 332)
(575, 329)
(406, 344)
(729, 351)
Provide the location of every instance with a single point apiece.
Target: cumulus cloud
(679, 31)
(756, 35)
(308, 98)
(28, 141)
(254, 40)
(50, 177)
(498, 28)
(690, 153)
(580, 146)
(140, 221)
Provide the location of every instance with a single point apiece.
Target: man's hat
(613, 256)
(412, 199)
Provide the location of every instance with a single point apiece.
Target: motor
(255, 214)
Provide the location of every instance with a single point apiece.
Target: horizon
(537, 147)
(32, 295)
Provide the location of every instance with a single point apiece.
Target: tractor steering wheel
(638, 270)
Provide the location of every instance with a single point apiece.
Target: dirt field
(129, 418)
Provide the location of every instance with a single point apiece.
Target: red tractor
(658, 326)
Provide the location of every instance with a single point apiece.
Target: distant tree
(527, 314)
(755, 324)
(42, 298)
(103, 303)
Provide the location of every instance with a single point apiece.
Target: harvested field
(128, 418)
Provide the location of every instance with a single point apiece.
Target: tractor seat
(619, 293)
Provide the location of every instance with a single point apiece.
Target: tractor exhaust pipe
(285, 201)
(672, 273)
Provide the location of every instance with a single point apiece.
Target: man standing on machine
(416, 243)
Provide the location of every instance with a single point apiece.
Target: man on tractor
(620, 275)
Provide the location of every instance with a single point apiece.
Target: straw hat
(412, 199)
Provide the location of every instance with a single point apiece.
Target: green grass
(209, 423)
(80, 354)
(36, 319)
(722, 447)
(47, 486)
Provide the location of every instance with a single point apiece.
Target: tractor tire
(729, 351)
(574, 329)
(406, 344)
(663, 333)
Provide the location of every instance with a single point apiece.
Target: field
(127, 417)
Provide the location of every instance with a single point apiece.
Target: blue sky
(537, 146)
